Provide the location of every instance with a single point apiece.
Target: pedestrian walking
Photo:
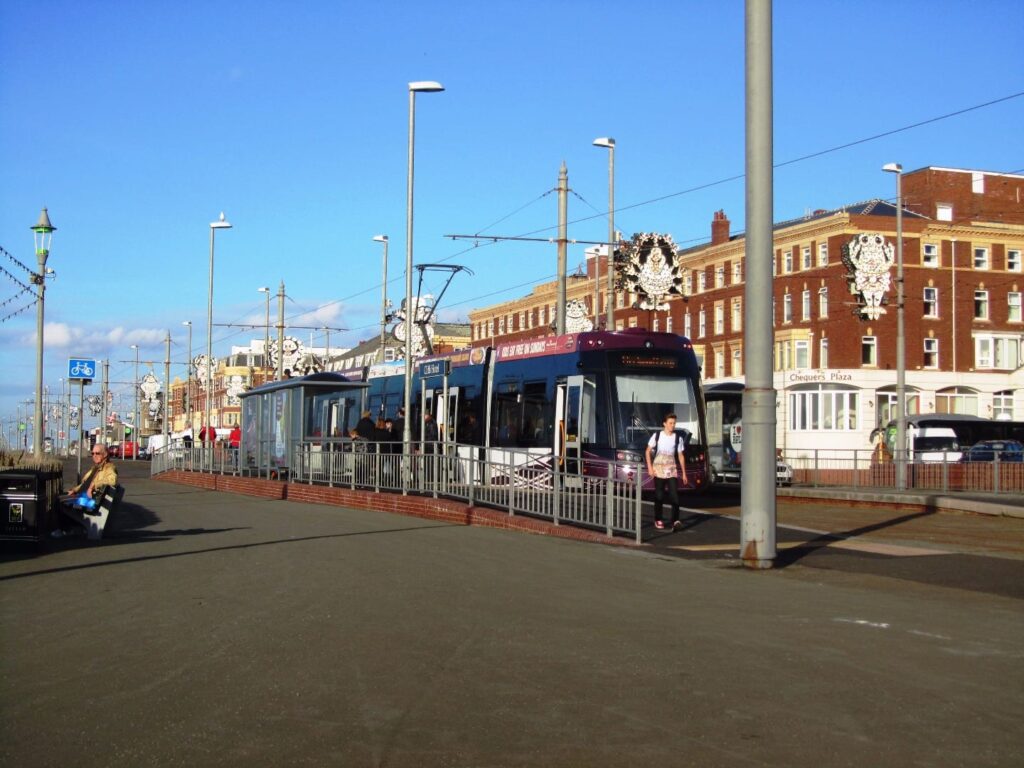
(666, 463)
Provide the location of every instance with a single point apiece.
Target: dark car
(987, 450)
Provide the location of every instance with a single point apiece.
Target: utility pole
(280, 332)
(167, 394)
(103, 397)
(563, 207)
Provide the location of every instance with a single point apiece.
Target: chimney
(719, 228)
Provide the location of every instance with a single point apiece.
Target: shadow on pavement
(792, 555)
(164, 535)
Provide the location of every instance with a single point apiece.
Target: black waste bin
(29, 503)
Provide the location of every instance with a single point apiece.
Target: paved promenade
(213, 629)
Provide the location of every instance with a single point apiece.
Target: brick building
(835, 361)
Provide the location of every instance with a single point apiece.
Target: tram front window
(642, 402)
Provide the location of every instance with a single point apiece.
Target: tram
(583, 399)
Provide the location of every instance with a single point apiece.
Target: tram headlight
(629, 456)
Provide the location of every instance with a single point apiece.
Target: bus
(577, 398)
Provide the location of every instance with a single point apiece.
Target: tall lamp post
(425, 86)
(136, 431)
(901, 351)
(214, 226)
(609, 144)
(43, 238)
(188, 385)
(383, 292)
(266, 338)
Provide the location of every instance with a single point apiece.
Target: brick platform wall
(426, 507)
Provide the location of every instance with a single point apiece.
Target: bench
(109, 502)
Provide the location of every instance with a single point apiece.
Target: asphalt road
(212, 629)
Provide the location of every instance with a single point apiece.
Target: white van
(927, 445)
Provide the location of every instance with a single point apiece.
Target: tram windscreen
(642, 402)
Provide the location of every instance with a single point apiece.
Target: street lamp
(266, 338)
(214, 226)
(43, 238)
(383, 292)
(136, 431)
(188, 371)
(609, 144)
(901, 352)
(426, 86)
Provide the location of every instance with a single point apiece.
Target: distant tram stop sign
(81, 369)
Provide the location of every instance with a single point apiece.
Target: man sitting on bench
(84, 498)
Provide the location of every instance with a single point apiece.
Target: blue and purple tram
(577, 398)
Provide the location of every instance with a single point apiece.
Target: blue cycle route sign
(79, 368)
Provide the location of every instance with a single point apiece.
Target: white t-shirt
(666, 444)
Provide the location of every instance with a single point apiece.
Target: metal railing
(604, 496)
(926, 471)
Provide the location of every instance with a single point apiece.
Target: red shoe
(659, 525)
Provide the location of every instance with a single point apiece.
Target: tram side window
(537, 410)
(505, 430)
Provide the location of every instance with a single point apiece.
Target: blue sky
(136, 124)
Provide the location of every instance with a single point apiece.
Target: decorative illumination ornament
(423, 310)
(234, 387)
(149, 387)
(293, 351)
(577, 318)
(649, 267)
(201, 365)
(95, 403)
(868, 258)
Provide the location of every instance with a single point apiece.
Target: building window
(719, 277)
(823, 353)
(1013, 261)
(688, 284)
(869, 351)
(981, 305)
(737, 315)
(978, 183)
(632, 322)
(805, 305)
(981, 258)
(824, 410)
(957, 400)
(501, 325)
(719, 318)
(787, 262)
(687, 325)
(943, 212)
(702, 281)
(822, 254)
(1001, 352)
(720, 364)
(543, 315)
(737, 271)
(931, 353)
(668, 324)
(1002, 404)
(787, 308)
(931, 302)
(490, 328)
(655, 325)
(1013, 307)
(774, 266)
(701, 324)
(802, 350)
(929, 255)
(823, 302)
(737, 362)
(618, 325)
(805, 257)
(887, 406)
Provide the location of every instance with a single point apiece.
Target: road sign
(435, 368)
(81, 368)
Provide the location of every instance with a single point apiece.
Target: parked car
(987, 450)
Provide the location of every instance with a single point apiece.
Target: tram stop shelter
(283, 419)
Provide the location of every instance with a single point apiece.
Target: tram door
(574, 406)
(451, 417)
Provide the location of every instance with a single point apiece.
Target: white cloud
(322, 315)
(95, 342)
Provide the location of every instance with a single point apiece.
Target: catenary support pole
(563, 206)
(757, 500)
